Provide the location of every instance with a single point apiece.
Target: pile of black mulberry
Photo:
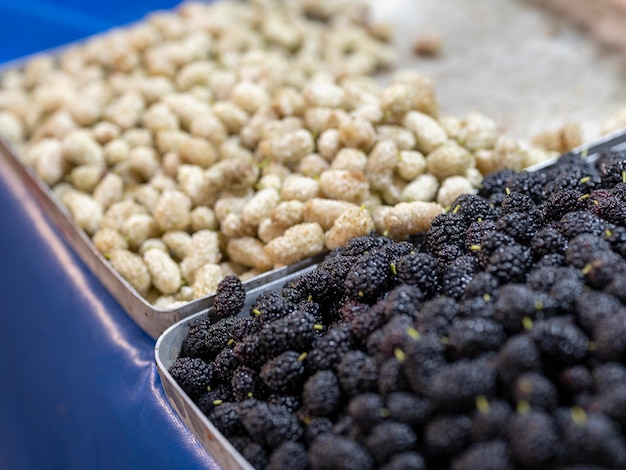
(496, 340)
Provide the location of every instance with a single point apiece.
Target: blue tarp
(30, 26)
(79, 387)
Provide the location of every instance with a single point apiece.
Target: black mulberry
(562, 202)
(519, 354)
(270, 425)
(489, 419)
(560, 339)
(331, 452)
(472, 208)
(404, 299)
(419, 269)
(536, 390)
(389, 438)
(447, 229)
(446, 434)
(357, 373)
(295, 331)
(366, 410)
(491, 455)
(533, 438)
(284, 373)
(321, 394)
(369, 277)
(288, 456)
(230, 297)
(455, 386)
(330, 348)
(408, 408)
(192, 374)
(509, 263)
(471, 337)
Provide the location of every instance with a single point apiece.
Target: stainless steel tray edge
(168, 346)
(149, 319)
(152, 320)
(610, 140)
(166, 351)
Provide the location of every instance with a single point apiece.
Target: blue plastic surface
(30, 26)
(79, 387)
(78, 383)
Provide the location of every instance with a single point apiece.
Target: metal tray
(166, 352)
(169, 343)
(152, 320)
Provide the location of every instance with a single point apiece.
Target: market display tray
(169, 343)
(151, 319)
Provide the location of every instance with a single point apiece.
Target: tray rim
(196, 421)
(210, 437)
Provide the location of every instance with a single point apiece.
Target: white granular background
(528, 70)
